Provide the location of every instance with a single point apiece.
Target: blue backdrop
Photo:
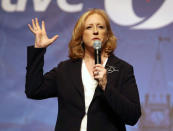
(144, 29)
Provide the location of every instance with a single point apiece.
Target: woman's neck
(89, 57)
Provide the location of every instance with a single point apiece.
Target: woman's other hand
(100, 74)
(41, 39)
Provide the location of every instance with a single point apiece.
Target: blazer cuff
(34, 53)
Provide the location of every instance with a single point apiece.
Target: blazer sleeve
(39, 86)
(125, 102)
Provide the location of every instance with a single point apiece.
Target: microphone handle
(97, 56)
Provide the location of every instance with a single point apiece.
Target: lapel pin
(111, 69)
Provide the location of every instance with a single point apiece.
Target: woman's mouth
(95, 39)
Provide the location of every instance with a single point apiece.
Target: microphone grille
(97, 44)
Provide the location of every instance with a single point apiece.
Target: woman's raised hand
(41, 39)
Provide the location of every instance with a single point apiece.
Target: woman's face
(94, 29)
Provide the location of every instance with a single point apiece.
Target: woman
(91, 97)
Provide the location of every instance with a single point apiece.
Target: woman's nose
(95, 31)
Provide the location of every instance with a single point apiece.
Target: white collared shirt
(90, 85)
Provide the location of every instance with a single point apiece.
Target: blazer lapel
(77, 77)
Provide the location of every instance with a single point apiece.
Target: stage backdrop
(144, 29)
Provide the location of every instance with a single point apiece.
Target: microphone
(97, 51)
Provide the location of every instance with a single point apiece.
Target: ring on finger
(97, 72)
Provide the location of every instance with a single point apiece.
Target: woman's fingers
(36, 27)
(37, 24)
(43, 26)
(98, 71)
(33, 24)
(98, 65)
(31, 29)
(100, 74)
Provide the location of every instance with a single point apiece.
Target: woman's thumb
(54, 38)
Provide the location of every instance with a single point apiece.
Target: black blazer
(109, 110)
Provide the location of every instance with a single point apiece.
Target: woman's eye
(101, 27)
(88, 27)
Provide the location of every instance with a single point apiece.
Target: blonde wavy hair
(76, 46)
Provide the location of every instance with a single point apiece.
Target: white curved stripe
(65, 6)
(161, 18)
(121, 12)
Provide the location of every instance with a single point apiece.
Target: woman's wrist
(103, 83)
